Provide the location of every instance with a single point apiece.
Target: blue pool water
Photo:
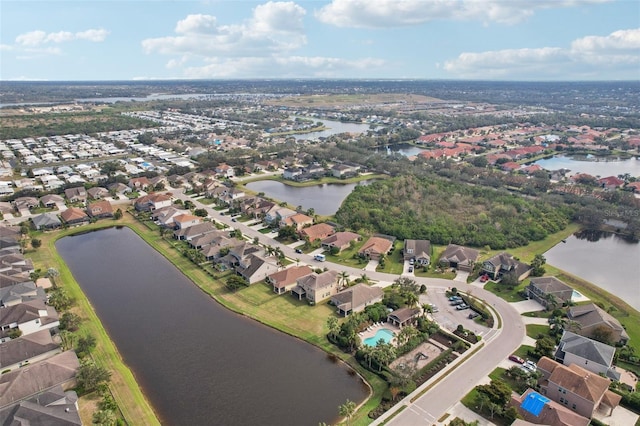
(384, 334)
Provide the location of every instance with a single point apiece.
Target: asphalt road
(433, 404)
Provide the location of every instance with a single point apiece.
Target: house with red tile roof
(297, 220)
(100, 209)
(186, 220)
(74, 215)
(319, 231)
(611, 182)
(537, 409)
(510, 166)
(576, 388)
(375, 247)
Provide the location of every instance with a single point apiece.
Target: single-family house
(278, 214)
(403, 316)
(534, 408)
(74, 216)
(292, 172)
(597, 324)
(341, 240)
(356, 298)
(417, 250)
(48, 220)
(53, 407)
(194, 231)
(590, 354)
(283, 281)
(28, 317)
(139, 183)
(32, 379)
(254, 268)
(503, 263)
(298, 221)
(576, 388)
(459, 257)
(184, 221)
(119, 188)
(21, 293)
(610, 182)
(100, 209)
(549, 291)
(97, 193)
(152, 201)
(164, 216)
(27, 349)
(51, 200)
(344, 170)
(224, 170)
(25, 203)
(319, 231)
(375, 247)
(316, 288)
(76, 195)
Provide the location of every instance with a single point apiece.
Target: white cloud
(585, 56)
(274, 27)
(38, 37)
(398, 13)
(284, 67)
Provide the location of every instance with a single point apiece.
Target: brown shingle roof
(289, 276)
(579, 381)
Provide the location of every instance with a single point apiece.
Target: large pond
(333, 128)
(199, 363)
(325, 199)
(594, 166)
(604, 259)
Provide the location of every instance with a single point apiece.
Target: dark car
(298, 251)
(233, 219)
(410, 268)
(472, 315)
(516, 358)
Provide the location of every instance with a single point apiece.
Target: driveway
(527, 306)
(371, 266)
(461, 276)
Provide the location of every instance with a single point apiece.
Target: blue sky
(236, 39)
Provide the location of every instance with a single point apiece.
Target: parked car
(516, 358)
(233, 219)
(531, 366)
(298, 251)
(457, 302)
(410, 268)
(462, 307)
(452, 298)
(472, 315)
(484, 278)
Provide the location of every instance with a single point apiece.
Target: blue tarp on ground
(533, 403)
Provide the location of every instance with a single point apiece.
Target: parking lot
(447, 316)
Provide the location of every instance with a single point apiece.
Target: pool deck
(373, 329)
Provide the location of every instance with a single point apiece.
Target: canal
(197, 362)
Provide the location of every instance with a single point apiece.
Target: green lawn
(506, 293)
(394, 264)
(533, 330)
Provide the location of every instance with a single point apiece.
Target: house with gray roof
(53, 407)
(356, 298)
(28, 317)
(51, 200)
(27, 349)
(20, 293)
(417, 250)
(546, 290)
(504, 263)
(97, 192)
(459, 257)
(588, 353)
(46, 221)
(596, 323)
(25, 382)
(256, 268)
(194, 231)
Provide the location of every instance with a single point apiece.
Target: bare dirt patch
(417, 358)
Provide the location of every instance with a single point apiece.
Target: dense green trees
(449, 212)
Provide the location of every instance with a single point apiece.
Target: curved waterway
(197, 362)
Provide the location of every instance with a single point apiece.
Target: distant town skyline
(518, 40)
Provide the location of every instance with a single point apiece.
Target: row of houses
(37, 375)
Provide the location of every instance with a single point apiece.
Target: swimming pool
(383, 334)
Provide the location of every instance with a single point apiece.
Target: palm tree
(364, 278)
(347, 410)
(426, 309)
(334, 327)
(411, 299)
(343, 279)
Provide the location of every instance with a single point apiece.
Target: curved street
(497, 344)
